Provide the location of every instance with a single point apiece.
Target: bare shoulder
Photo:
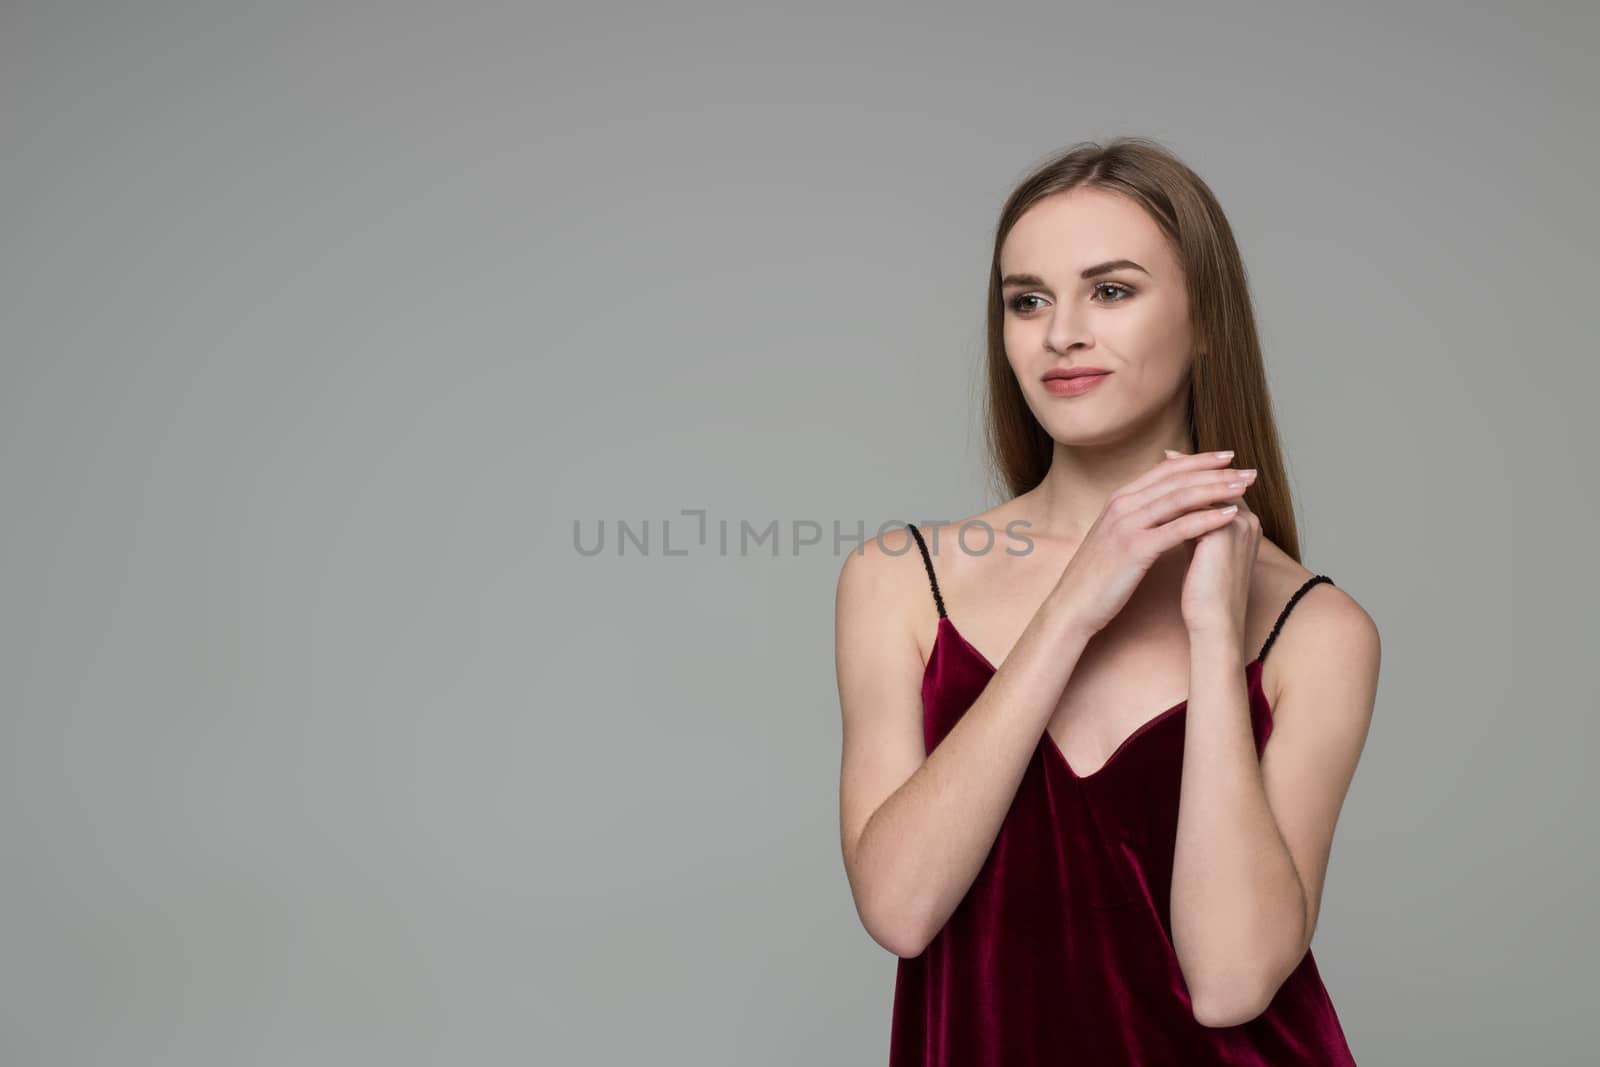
(887, 578)
(876, 569)
(959, 548)
(1326, 632)
(875, 586)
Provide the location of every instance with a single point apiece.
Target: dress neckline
(1047, 740)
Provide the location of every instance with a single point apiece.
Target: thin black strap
(1284, 614)
(927, 561)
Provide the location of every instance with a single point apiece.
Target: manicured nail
(1225, 455)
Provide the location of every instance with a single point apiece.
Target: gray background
(324, 323)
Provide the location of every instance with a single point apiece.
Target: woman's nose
(1067, 330)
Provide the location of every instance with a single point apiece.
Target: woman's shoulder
(881, 592)
(877, 571)
(996, 527)
(873, 558)
(1281, 576)
(939, 536)
(888, 570)
(1324, 622)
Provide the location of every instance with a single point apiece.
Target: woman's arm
(1254, 836)
(916, 826)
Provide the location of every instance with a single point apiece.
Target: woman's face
(1089, 280)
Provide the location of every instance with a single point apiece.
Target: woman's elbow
(894, 926)
(1228, 1008)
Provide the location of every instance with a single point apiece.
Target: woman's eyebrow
(1089, 272)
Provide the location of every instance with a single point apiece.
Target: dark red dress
(1061, 950)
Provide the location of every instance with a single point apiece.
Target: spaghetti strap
(927, 562)
(1284, 614)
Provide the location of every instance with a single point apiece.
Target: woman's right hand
(1162, 508)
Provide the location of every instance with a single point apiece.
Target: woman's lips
(1073, 386)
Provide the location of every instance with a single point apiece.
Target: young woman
(1068, 873)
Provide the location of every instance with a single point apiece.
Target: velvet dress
(1061, 951)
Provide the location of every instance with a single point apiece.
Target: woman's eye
(1122, 292)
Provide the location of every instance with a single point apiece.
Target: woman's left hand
(1216, 589)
